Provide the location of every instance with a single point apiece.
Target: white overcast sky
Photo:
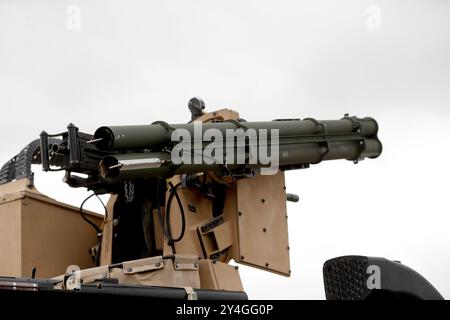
(134, 62)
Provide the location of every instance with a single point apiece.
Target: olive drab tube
(160, 133)
(144, 150)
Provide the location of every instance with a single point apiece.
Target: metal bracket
(190, 293)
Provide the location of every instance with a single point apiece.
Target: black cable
(165, 225)
(97, 229)
(173, 192)
(104, 207)
(228, 170)
(160, 217)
